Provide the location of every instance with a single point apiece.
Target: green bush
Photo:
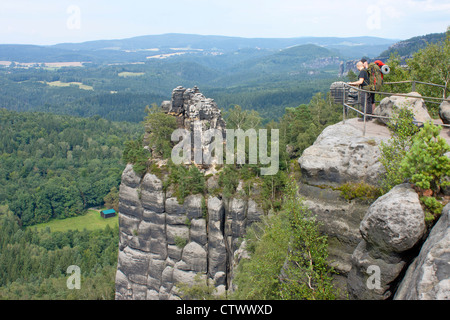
(394, 151)
(306, 275)
(229, 180)
(202, 289)
(288, 256)
(160, 126)
(426, 163)
(433, 208)
(185, 181)
(180, 242)
(135, 154)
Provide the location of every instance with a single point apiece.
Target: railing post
(413, 86)
(365, 109)
(343, 104)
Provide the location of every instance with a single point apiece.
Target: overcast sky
(50, 21)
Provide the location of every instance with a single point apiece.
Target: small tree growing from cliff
(394, 151)
(135, 154)
(306, 273)
(160, 126)
(426, 163)
(288, 256)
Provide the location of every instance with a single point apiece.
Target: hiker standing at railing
(363, 80)
(370, 95)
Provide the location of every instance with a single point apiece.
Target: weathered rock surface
(341, 154)
(393, 225)
(444, 111)
(395, 222)
(340, 93)
(389, 105)
(163, 242)
(428, 277)
(340, 220)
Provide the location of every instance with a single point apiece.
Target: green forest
(54, 167)
(33, 263)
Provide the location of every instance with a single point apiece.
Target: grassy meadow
(90, 221)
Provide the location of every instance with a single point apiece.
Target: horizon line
(211, 35)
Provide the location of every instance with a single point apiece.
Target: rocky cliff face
(164, 242)
(339, 155)
(380, 249)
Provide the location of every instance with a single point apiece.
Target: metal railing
(364, 114)
(414, 82)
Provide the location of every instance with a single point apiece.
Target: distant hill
(221, 43)
(297, 59)
(139, 48)
(407, 48)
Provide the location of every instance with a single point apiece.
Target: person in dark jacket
(363, 80)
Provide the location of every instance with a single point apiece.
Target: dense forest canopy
(57, 166)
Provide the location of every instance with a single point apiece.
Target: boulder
(339, 91)
(395, 222)
(388, 106)
(393, 225)
(444, 111)
(428, 277)
(341, 154)
(194, 258)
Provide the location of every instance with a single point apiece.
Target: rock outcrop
(164, 242)
(373, 246)
(379, 248)
(340, 92)
(190, 105)
(388, 107)
(341, 154)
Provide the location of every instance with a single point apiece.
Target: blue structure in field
(108, 213)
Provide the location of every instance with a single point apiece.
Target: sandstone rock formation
(190, 105)
(444, 111)
(393, 225)
(341, 154)
(428, 277)
(339, 91)
(367, 240)
(164, 242)
(388, 106)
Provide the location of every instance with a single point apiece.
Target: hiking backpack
(375, 78)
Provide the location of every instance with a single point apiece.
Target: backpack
(380, 64)
(375, 78)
